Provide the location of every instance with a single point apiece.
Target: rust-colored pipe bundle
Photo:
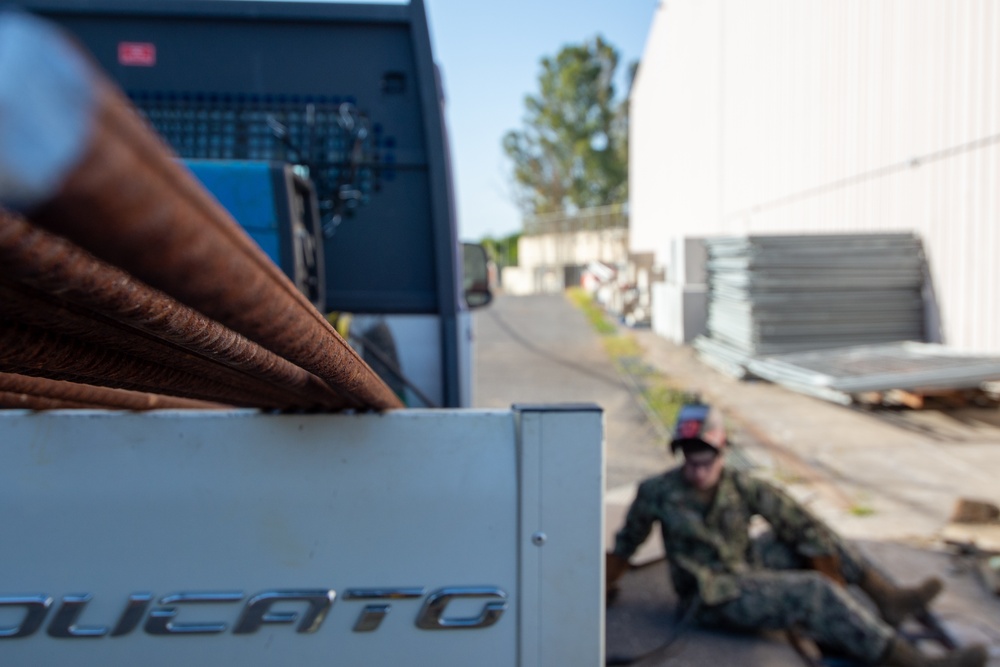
(121, 271)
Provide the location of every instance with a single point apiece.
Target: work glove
(829, 566)
(614, 568)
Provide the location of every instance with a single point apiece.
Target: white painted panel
(800, 116)
(561, 535)
(112, 504)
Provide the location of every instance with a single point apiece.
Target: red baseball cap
(698, 424)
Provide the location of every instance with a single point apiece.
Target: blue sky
(489, 54)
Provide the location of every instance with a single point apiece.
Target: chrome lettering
(161, 620)
(372, 615)
(35, 609)
(431, 616)
(64, 624)
(258, 610)
(135, 609)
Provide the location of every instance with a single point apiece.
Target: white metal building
(798, 116)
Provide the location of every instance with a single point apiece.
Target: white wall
(674, 120)
(760, 116)
(573, 249)
(541, 257)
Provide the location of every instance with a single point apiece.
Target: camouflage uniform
(743, 583)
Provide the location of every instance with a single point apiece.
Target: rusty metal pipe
(43, 394)
(35, 352)
(40, 311)
(39, 260)
(128, 201)
(15, 401)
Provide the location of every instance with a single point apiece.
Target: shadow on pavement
(643, 619)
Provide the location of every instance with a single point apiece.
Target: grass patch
(622, 347)
(861, 509)
(662, 399)
(593, 312)
(787, 476)
(665, 401)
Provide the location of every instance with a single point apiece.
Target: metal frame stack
(780, 294)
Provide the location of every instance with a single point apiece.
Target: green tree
(572, 150)
(503, 250)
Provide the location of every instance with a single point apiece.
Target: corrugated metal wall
(829, 115)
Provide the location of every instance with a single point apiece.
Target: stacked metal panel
(780, 294)
(838, 374)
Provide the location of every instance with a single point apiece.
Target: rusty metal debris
(974, 510)
(35, 352)
(20, 391)
(127, 274)
(158, 224)
(47, 282)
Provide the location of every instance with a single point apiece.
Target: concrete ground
(887, 479)
(537, 349)
(881, 474)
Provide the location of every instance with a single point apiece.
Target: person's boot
(895, 603)
(902, 653)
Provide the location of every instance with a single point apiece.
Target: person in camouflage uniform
(790, 577)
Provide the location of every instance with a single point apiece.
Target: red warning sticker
(136, 54)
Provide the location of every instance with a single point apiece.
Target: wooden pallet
(920, 399)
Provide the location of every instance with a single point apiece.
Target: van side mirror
(475, 275)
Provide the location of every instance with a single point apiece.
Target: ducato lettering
(311, 608)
